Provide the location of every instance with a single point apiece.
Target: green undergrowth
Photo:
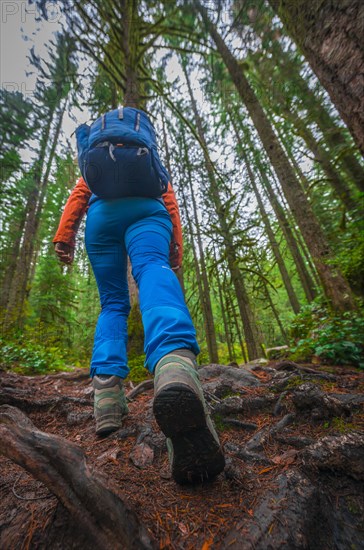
(340, 424)
(31, 358)
(138, 373)
(220, 425)
(333, 339)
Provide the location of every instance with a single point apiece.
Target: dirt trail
(293, 438)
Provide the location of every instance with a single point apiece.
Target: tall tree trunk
(179, 273)
(18, 289)
(202, 281)
(289, 69)
(273, 242)
(231, 306)
(270, 302)
(196, 266)
(336, 288)
(306, 280)
(11, 262)
(129, 39)
(330, 35)
(333, 134)
(251, 332)
(223, 314)
(338, 184)
(44, 188)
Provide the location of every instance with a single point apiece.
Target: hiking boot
(109, 403)
(180, 411)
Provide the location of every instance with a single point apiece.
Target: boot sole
(180, 415)
(108, 424)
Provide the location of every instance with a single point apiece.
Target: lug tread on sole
(180, 415)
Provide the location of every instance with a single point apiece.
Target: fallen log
(102, 517)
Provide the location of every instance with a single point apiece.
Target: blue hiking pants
(140, 228)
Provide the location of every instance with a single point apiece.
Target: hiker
(126, 217)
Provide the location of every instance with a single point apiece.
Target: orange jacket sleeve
(176, 250)
(73, 213)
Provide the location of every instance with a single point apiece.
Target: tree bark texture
(330, 35)
(129, 41)
(61, 465)
(336, 288)
(333, 134)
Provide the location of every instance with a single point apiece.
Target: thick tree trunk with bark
(336, 288)
(333, 134)
(129, 40)
(330, 35)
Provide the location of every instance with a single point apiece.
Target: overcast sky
(20, 30)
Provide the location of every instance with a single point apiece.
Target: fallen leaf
(285, 458)
(266, 470)
(110, 454)
(183, 529)
(142, 455)
(207, 544)
(165, 542)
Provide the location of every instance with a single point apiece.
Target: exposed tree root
(140, 388)
(25, 401)
(293, 478)
(344, 454)
(61, 465)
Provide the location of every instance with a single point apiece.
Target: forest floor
(293, 439)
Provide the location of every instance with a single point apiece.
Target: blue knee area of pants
(140, 228)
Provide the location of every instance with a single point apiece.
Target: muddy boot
(109, 403)
(180, 410)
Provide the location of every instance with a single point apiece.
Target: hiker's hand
(175, 256)
(65, 252)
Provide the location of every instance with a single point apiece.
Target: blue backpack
(118, 156)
